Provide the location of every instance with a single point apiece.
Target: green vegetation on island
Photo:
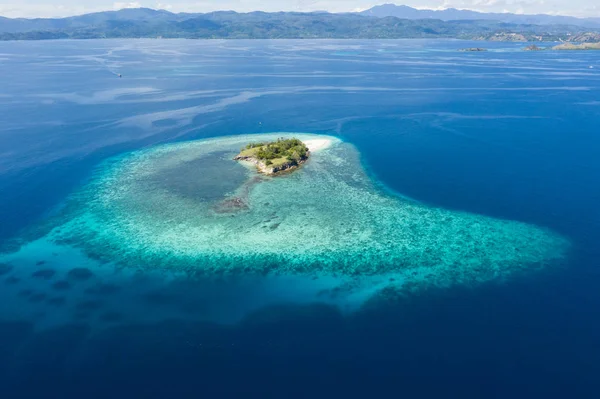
(275, 156)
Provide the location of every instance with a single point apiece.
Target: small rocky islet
(275, 157)
(533, 47)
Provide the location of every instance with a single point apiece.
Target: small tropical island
(275, 157)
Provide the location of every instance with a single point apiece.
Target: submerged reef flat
(327, 218)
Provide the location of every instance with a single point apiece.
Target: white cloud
(161, 6)
(121, 6)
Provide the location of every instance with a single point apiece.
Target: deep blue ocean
(504, 133)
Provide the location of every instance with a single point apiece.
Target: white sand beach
(317, 144)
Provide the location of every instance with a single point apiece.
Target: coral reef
(329, 217)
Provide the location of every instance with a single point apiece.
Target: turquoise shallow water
(328, 217)
(326, 232)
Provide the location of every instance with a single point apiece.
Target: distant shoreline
(147, 23)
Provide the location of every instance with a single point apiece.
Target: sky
(62, 8)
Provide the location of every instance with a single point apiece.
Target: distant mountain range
(371, 24)
(452, 14)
